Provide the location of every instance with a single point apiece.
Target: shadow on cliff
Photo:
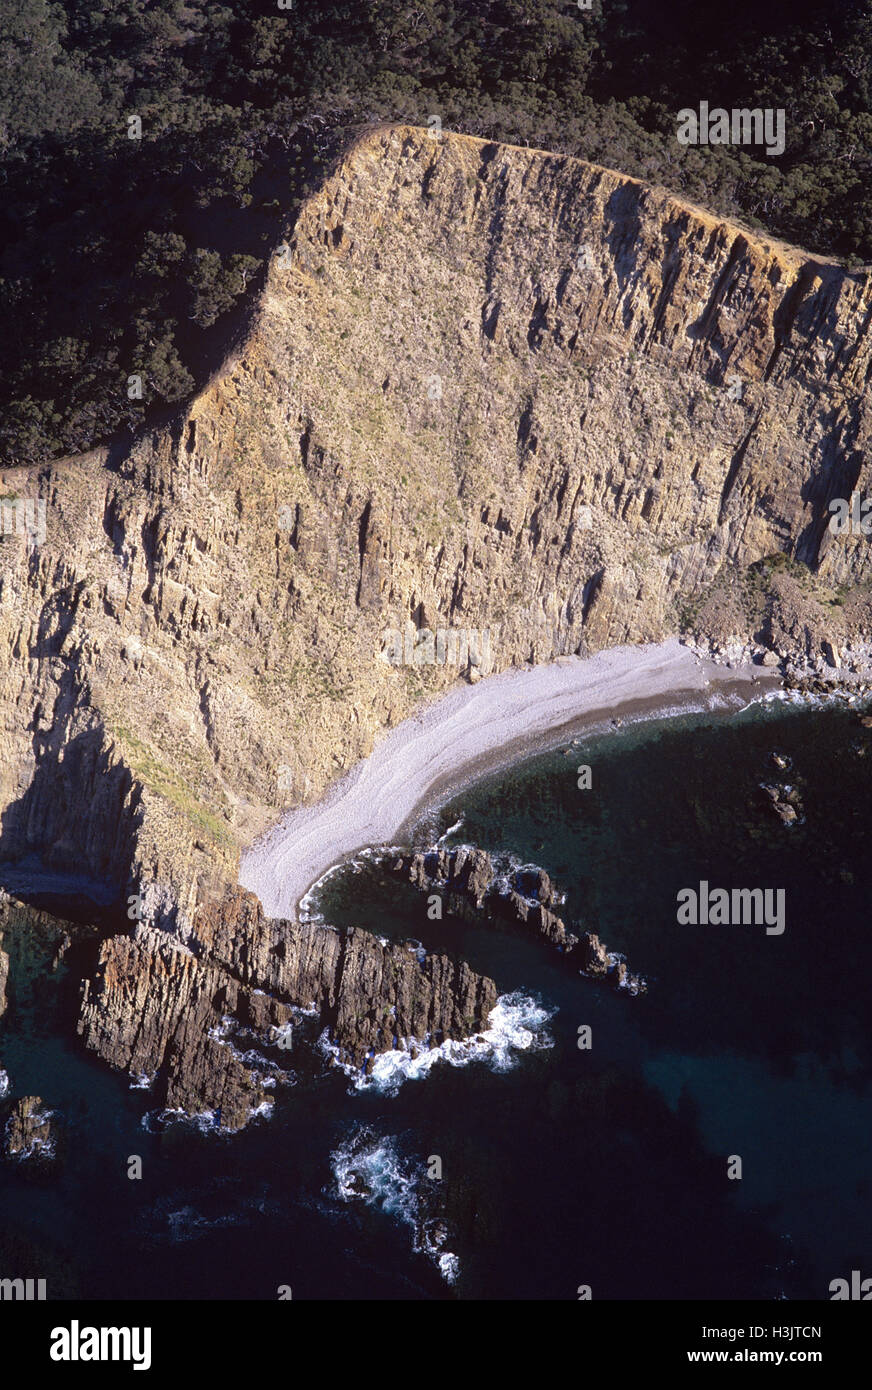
(67, 843)
(622, 238)
(836, 476)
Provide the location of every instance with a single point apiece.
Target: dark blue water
(605, 1167)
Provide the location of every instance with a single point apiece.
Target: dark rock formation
(156, 1010)
(30, 1131)
(34, 968)
(384, 995)
(470, 886)
(159, 1009)
(35, 962)
(785, 802)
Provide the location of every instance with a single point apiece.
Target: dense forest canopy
(126, 256)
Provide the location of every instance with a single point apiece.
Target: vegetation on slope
(135, 257)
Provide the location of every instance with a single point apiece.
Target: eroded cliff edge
(488, 388)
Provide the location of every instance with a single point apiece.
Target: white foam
(38, 1147)
(516, 1024)
(206, 1121)
(4, 1082)
(307, 911)
(262, 1069)
(805, 699)
(370, 1169)
(449, 1267)
(452, 830)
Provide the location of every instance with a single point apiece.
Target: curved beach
(465, 733)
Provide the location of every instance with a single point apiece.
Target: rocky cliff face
(488, 389)
(206, 1026)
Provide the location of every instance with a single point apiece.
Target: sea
(713, 1140)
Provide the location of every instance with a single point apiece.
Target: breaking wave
(517, 1023)
(204, 1121)
(371, 1170)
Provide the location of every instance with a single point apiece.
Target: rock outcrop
(31, 1132)
(470, 886)
(785, 801)
(491, 389)
(202, 1022)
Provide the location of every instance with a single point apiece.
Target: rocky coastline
(211, 1025)
(194, 647)
(469, 885)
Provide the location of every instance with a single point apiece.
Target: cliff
(207, 1030)
(488, 388)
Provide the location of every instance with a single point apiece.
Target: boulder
(30, 1132)
(467, 876)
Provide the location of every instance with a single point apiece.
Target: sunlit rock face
(488, 391)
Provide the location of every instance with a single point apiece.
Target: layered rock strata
(470, 886)
(31, 1132)
(492, 391)
(203, 1022)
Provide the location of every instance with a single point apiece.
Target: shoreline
(476, 729)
